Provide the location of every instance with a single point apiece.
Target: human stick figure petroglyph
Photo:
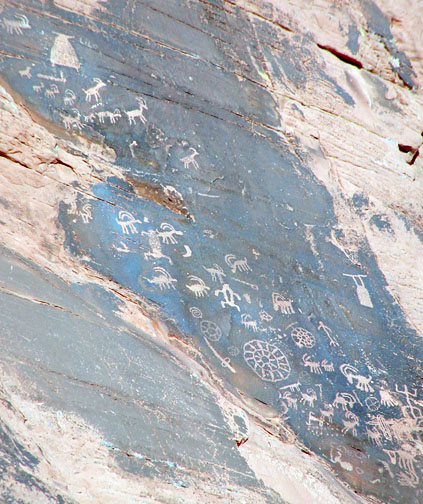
(94, 90)
(237, 264)
(282, 304)
(15, 26)
(164, 280)
(229, 296)
(362, 293)
(132, 146)
(361, 382)
(328, 332)
(168, 233)
(127, 222)
(139, 112)
(199, 288)
(190, 159)
(155, 245)
(225, 362)
(216, 273)
(266, 360)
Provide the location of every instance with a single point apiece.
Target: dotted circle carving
(210, 330)
(266, 360)
(303, 338)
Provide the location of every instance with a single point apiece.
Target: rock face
(211, 251)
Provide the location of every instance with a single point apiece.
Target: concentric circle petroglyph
(210, 330)
(266, 360)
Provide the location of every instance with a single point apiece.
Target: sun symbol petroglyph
(237, 264)
(282, 304)
(266, 360)
(302, 338)
(127, 222)
(196, 312)
(210, 330)
(229, 296)
(199, 288)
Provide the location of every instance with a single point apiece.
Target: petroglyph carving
(266, 360)
(122, 248)
(190, 159)
(168, 233)
(374, 436)
(229, 296)
(372, 403)
(196, 312)
(327, 366)
(225, 362)
(362, 293)
(291, 401)
(302, 338)
(210, 330)
(62, 52)
(107, 114)
(38, 87)
(52, 91)
(328, 332)
(382, 425)
(253, 286)
(361, 382)
(163, 279)
(216, 273)
(405, 458)
(350, 422)
(72, 121)
(26, 72)
(292, 387)
(336, 457)
(69, 98)
(248, 322)
(344, 400)
(139, 112)
(155, 245)
(90, 118)
(94, 90)
(387, 399)
(282, 304)
(265, 317)
(312, 365)
(313, 419)
(132, 146)
(237, 264)
(199, 288)
(309, 397)
(15, 26)
(86, 213)
(127, 222)
(188, 251)
(327, 413)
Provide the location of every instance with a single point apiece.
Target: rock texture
(211, 251)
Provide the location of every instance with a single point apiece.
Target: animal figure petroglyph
(38, 87)
(291, 401)
(52, 91)
(190, 159)
(350, 422)
(328, 332)
(15, 26)
(139, 112)
(327, 413)
(265, 317)
(168, 233)
(404, 457)
(107, 114)
(313, 419)
(248, 322)
(74, 121)
(308, 397)
(94, 90)
(69, 98)
(90, 118)
(199, 288)
(216, 272)
(127, 222)
(26, 72)
(293, 387)
(229, 296)
(374, 436)
(361, 382)
(86, 213)
(237, 264)
(156, 247)
(163, 279)
(327, 366)
(282, 304)
(314, 366)
(344, 400)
